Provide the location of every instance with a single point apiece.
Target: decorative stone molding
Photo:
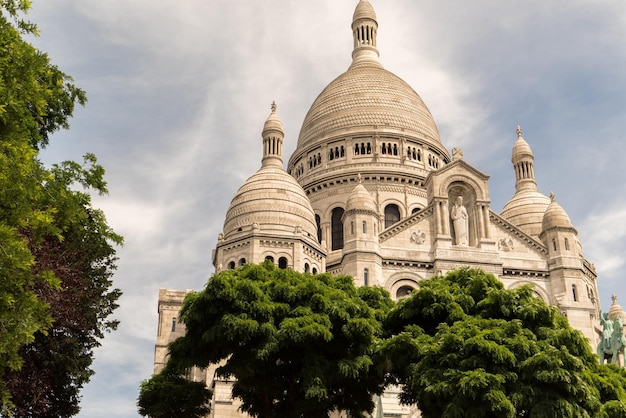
(505, 244)
(497, 219)
(418, 237)
(405, 224)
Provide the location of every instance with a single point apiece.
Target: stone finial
(552, 197)
(457, 153)
(359, 178)
(614, 298)
(273, 106)
(519, 131)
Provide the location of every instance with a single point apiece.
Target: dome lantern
(364, 28)
(523, 164)
(273, 135)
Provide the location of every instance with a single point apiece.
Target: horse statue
(613, 341)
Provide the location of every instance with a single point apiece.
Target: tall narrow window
(574, 293)
(351, 228)
(173, 324)
(318, 221)
(307, 268)
(566, 242)
(364, 227)
(392, 215)
(231, 265)
(554, 244)
(336, 226)
(366, 277)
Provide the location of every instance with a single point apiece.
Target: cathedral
(372, 192)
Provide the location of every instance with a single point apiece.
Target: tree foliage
(299, 345)
(169, 394)
(57, 252)
(463, 346)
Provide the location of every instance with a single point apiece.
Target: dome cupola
(527, 207)
(364, 28)
(555, 216)
(361, 199)
(273, 135)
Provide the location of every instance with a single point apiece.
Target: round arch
(537, 290)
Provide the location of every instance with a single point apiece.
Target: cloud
(179, 91)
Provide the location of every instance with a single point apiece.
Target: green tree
(463, 346)
(169, 394)
(56, 251)
(298, 345)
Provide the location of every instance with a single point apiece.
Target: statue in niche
(460, 222)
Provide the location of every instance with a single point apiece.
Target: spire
(523, 164)
(364, 30)
(273, 135)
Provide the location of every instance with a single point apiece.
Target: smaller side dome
(360, 199)
(555, 216)
(616, 310)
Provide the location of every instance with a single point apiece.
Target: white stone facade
(370, 191)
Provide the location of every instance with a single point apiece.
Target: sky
(179, 91)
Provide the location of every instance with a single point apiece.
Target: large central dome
(364, 96)
(367, 96)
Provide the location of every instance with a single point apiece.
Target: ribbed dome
(367, 95)
(555, 216)
(525, 210)
(360, 199)
(616, 310)
(274, 200)
(364, 10)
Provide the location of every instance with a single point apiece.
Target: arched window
(307, 268)
(356, 149)
(364, 227)
(395, 149)
(269, 258)
(404, 292)
(392, 215)
(314, 270)
(318, 221)
(231, 265)
(242, 261)
(566, 242)
(336, 226)
(574, 293)
(415, 210)
(366, 277)
(554, 247)
(351, 228)
(282, 263)
(173, 324)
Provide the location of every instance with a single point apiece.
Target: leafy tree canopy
(57, 252)
(169, 394)
(299, 345)
(463, 346)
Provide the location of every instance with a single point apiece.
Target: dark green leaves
(298, 344)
